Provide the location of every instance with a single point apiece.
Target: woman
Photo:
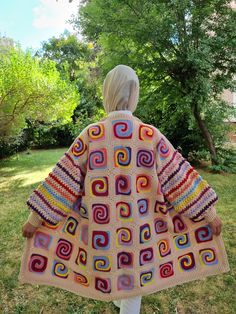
(122, 214)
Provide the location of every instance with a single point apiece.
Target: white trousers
(129, 305)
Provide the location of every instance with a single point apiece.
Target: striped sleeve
(182, 186)
(55, 197)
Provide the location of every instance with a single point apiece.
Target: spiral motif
(160, 225)
(81, 258)
(182, 241)
(64, 249)
(98, 159)
(166, 270)
(163, 247)
(81, 279)
(145, 233)
(146, 277)
(124, 211)
(143, 183)
(122, 128)
(70, 226)
(103, 284)
(208, 256)
(123, 184)
(146, 256)
(124, 236)
(42, 240)
(125, 282)
(143, 206)
(101, 213)
(122, 156)
(145, 158)
(96, 132)
(125, 260)
(99, 186)
(38, 263)
(186, 262)
(163, 149)
(79, 147)
(102, 263)
(160, 207)
(60, 270)
(84, 234)
(203, 234)
(101, 240)
(179, 225)
(146, 133)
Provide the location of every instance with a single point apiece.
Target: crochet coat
(124, 214)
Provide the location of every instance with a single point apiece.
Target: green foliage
(227, 161)
(32, 88)
(49, 135)
(69, 54)
(196, 156)
(75, 61)
(14, 144)
(54, 134)
(183, 53)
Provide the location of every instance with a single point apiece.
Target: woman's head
(121, 89)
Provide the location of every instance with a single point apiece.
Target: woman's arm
(55, 197)
(183, 187)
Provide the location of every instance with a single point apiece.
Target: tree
(68, 53)
(182, 50)
(74, 60)
(32, 88)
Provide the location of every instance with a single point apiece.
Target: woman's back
(124, 213)
(124, 187)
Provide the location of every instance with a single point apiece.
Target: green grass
(19, 175)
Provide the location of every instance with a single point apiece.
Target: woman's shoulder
(147, 126)
(143, 126)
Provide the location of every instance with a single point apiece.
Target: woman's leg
(131, 305)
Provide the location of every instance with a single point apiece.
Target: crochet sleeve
(182, 186)
(55, 197)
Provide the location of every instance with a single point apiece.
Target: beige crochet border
(223, 266)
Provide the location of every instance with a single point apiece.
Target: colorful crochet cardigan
(124, 214)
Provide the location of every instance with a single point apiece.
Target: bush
(53, 135)
(49, 135)
(226, 159)
(39, 134)
(14, 144)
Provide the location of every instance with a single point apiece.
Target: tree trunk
(206, 134)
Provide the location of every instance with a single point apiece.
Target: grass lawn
(20, 175)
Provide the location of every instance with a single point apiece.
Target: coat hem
(109, 298)
(223, 267)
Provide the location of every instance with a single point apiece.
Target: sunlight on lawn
(31, 177)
